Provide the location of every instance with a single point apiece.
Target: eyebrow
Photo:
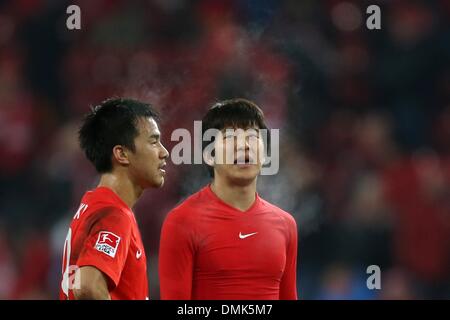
(248, 130)
(155, 136)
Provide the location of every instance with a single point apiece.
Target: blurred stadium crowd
(364, 118)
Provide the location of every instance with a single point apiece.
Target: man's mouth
(244, 160)
(161, 167)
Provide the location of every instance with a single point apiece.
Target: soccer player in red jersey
(103, 255)
(226, 242)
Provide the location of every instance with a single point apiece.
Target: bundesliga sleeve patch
(107, 243)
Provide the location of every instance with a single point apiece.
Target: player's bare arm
(93, 285)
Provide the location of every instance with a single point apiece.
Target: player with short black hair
(225, 241)
(104, 256)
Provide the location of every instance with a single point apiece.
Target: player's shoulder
(103, 196)
(99, 205)
(289, 218)
(105, 214)
(188, 206)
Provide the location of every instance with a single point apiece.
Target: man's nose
(165, 153)
(242, 143)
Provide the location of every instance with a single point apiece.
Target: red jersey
(104, 234)
(212, 251)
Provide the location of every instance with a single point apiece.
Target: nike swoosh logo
(138, 254)
(243, 236)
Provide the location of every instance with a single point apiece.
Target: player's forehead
(241, 128)
(147, 126)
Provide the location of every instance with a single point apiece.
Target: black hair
(235, 113)
(112, 122)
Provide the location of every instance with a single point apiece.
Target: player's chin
(246, 175)
(159, 182)
(243, 181)
(156, 181)
(247, 169)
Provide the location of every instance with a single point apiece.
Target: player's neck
(239, 197)
(122, 186)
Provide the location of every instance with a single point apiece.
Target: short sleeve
(107, 243)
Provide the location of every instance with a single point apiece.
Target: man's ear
(208, 158)
(120, 154)
(263, 156)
